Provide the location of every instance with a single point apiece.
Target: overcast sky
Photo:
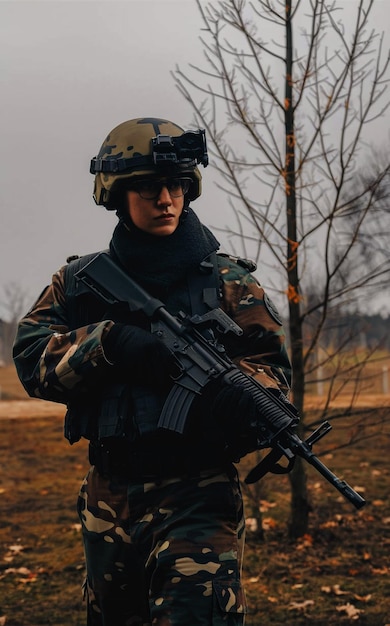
(69, 72)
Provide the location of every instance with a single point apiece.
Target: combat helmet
(143, 147)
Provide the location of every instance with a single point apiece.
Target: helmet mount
(189, 148)
(134, 149)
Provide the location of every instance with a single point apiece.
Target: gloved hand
(138, 353)
(235, 411)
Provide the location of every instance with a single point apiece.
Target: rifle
(201, 359)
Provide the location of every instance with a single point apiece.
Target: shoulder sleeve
(261, 351)
(53, 362)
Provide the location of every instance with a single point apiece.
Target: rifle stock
(202, 360)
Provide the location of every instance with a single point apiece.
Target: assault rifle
(201, 360)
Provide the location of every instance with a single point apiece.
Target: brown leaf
(269, 523)
(363, 598)
(383, 571)
(300, 605)
(24, 571)
(31, 578)
(351, 611)
(16, 548)
(335, 589)
(329, 524)
(265, 505)
(353, 571)
(305, 542)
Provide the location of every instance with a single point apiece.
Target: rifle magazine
(176, 408)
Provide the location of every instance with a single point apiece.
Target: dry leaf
(335, 589)
(353, 571)
(15, 549)
(30, 579)
(305, 542)
(351, 611)
(383, 571)
(268, 523)
(251, 524)
(24, 571)
(329, 524)
(363, 598)
(300, 605)
(265, 505)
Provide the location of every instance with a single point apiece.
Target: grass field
(337, 573)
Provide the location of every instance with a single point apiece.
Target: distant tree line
(369, 332)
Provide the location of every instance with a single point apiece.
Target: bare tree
(287, 93)
(13, 302)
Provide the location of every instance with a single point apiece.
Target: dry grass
(10, 385)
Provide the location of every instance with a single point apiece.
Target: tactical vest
(118, 409)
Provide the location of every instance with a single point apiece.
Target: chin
(164, 231)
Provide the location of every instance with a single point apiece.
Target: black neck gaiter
(161, 264)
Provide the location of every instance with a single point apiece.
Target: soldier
(161, 513)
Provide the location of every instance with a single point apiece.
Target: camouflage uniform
(162, 514)
(161, 550)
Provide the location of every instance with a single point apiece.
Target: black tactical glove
(235, 411)
(139, 354)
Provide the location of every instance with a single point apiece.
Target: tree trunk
(300, 506)
(299, 497)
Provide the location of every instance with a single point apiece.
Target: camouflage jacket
(59, 355)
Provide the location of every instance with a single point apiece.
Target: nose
(164, 197)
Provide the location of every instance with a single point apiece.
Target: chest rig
(118, 409)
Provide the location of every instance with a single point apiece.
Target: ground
(338, 572)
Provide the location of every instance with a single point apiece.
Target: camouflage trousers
(163, 554)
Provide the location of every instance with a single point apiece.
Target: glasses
(151, 189)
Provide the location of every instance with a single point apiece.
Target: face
(157, 215)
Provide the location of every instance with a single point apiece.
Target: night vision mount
(190, 146)
(187, 149)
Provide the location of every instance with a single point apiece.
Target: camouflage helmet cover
(132, 150)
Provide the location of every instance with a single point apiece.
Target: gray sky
(69, 72)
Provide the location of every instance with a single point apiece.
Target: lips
(165, 216)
